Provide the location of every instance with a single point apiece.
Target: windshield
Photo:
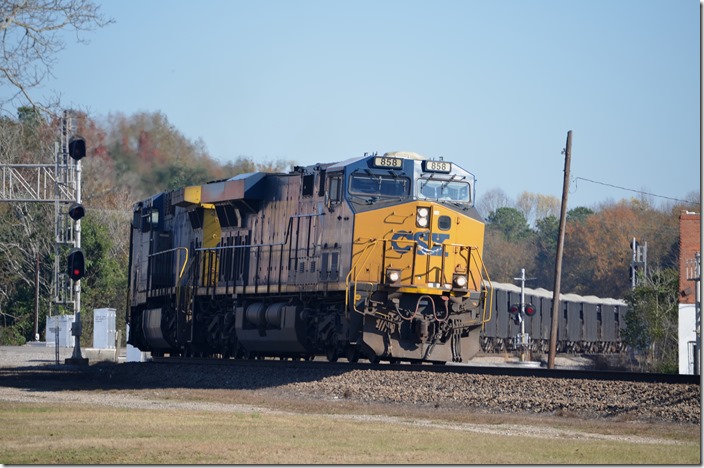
(443, 190)
(380, 186)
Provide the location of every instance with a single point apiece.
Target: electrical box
(58, 331)
(104, 328)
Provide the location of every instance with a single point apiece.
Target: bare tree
(536, 206)
(31, 34)
(492, 200)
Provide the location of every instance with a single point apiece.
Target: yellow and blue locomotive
(378, 257)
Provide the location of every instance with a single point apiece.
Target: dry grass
(317, 433)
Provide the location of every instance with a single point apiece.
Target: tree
(536, 206)
(504, 259)
(547, 230)
(651, 323)
(508, 244)
(26, 231)
(106, 251)
(150, 155)
(30, 38)
(579, 214)
(510, 222)
(492, 201)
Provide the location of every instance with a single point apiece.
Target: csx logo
(421, 239)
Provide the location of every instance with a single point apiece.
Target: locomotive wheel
(352, 354)
(331, 354)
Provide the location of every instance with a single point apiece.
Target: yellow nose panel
(421, 244)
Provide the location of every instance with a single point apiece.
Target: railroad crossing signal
(528, 309)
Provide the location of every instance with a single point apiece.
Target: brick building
(690, 235)
(688, 327)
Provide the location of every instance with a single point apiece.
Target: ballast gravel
(26, 368)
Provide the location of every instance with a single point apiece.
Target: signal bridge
(58, 183)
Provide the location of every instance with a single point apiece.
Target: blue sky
(492, 85)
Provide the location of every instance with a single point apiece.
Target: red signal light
(76, 264)
(530, 310)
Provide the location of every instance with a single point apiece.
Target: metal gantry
(58, 183)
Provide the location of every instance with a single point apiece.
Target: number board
(394, 163)
(437, 166)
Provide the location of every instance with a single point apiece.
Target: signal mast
(522, 340)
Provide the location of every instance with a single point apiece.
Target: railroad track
(516, 370)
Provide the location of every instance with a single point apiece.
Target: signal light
(530, 310)
(76, 211)
(76, 264)
(77, 147)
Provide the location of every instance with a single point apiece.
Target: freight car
(378, 257)
(586, 324)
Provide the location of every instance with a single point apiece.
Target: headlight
(393, 276)
(422, 217)
(459, 281)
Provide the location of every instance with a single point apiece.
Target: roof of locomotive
(390, 154)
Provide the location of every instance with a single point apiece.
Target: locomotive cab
(416, 278)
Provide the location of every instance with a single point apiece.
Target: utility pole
(558, 259)
(36, 297)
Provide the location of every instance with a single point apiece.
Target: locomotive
(376, 257)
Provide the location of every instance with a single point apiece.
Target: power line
(636, 191)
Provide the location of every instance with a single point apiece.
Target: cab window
(443, 190)
(378, 185)
(334, 189)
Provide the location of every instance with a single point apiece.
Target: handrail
(483, 269)
(370, 243)
(180, 275)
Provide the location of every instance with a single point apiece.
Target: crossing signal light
(76, 211)
(530, 310)
(76, 264)
(77, 147)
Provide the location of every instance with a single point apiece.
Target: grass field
(69, 433)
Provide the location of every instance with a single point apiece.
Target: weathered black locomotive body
(376, 257)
